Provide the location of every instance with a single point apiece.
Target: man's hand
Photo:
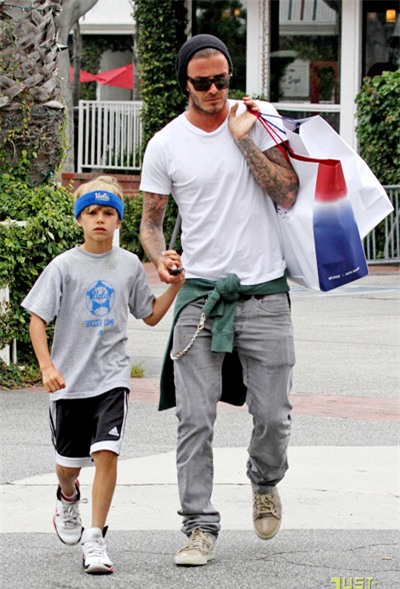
(271, 169)
(240, 125)
(167, 266)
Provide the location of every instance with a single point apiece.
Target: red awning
(84, 76)
(122, 77)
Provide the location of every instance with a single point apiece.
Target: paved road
(341, 493)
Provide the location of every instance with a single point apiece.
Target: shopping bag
(314, 137)
(320, 238)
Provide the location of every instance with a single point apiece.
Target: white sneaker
(67, 520)
(199, 549)
(95, 558)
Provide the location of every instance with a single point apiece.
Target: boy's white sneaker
(67, 520)
(95, 558)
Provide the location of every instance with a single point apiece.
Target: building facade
(305, 56)
(310, 56)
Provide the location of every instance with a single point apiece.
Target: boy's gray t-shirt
(90, 296)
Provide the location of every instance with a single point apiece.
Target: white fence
(382, 244)
(110, 135)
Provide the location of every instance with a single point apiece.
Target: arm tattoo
(272, 171)
(151, 226)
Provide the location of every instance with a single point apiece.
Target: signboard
(295, 83)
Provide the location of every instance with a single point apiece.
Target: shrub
(24, 251)
(378, 125)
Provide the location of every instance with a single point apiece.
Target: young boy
(90, 289)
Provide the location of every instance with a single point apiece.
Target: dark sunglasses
(204, 84)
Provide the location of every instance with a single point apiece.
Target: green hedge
(161, 26)
(378, 125)
(24, 251)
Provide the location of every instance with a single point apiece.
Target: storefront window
(304, 58)
(381, 28)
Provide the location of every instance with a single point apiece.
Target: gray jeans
(263, 338)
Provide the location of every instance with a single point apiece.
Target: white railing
(382, 244)
(110, 135)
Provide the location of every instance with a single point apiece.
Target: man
(226, 175)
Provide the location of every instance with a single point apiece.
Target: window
(304, 58)
(381, 36)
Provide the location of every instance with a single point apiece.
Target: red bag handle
(274, 135)
(286, 149)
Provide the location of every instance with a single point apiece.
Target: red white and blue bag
(321, 239)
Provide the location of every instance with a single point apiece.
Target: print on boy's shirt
(100, 298)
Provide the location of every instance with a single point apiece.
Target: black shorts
(80, 427)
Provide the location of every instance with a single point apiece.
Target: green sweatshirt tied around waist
(220, 305)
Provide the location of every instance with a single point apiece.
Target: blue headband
(99, 197)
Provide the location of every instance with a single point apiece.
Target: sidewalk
(340, 495)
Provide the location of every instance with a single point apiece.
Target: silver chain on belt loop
(200, 326)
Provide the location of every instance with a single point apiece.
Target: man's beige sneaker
(267, 514)
(199, 549)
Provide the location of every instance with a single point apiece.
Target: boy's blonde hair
(108, 183)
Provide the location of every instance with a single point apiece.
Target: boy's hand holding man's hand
(170, 269)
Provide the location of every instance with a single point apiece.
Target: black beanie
(191, 47)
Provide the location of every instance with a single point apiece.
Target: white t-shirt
(90, 295)
(229, 222)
